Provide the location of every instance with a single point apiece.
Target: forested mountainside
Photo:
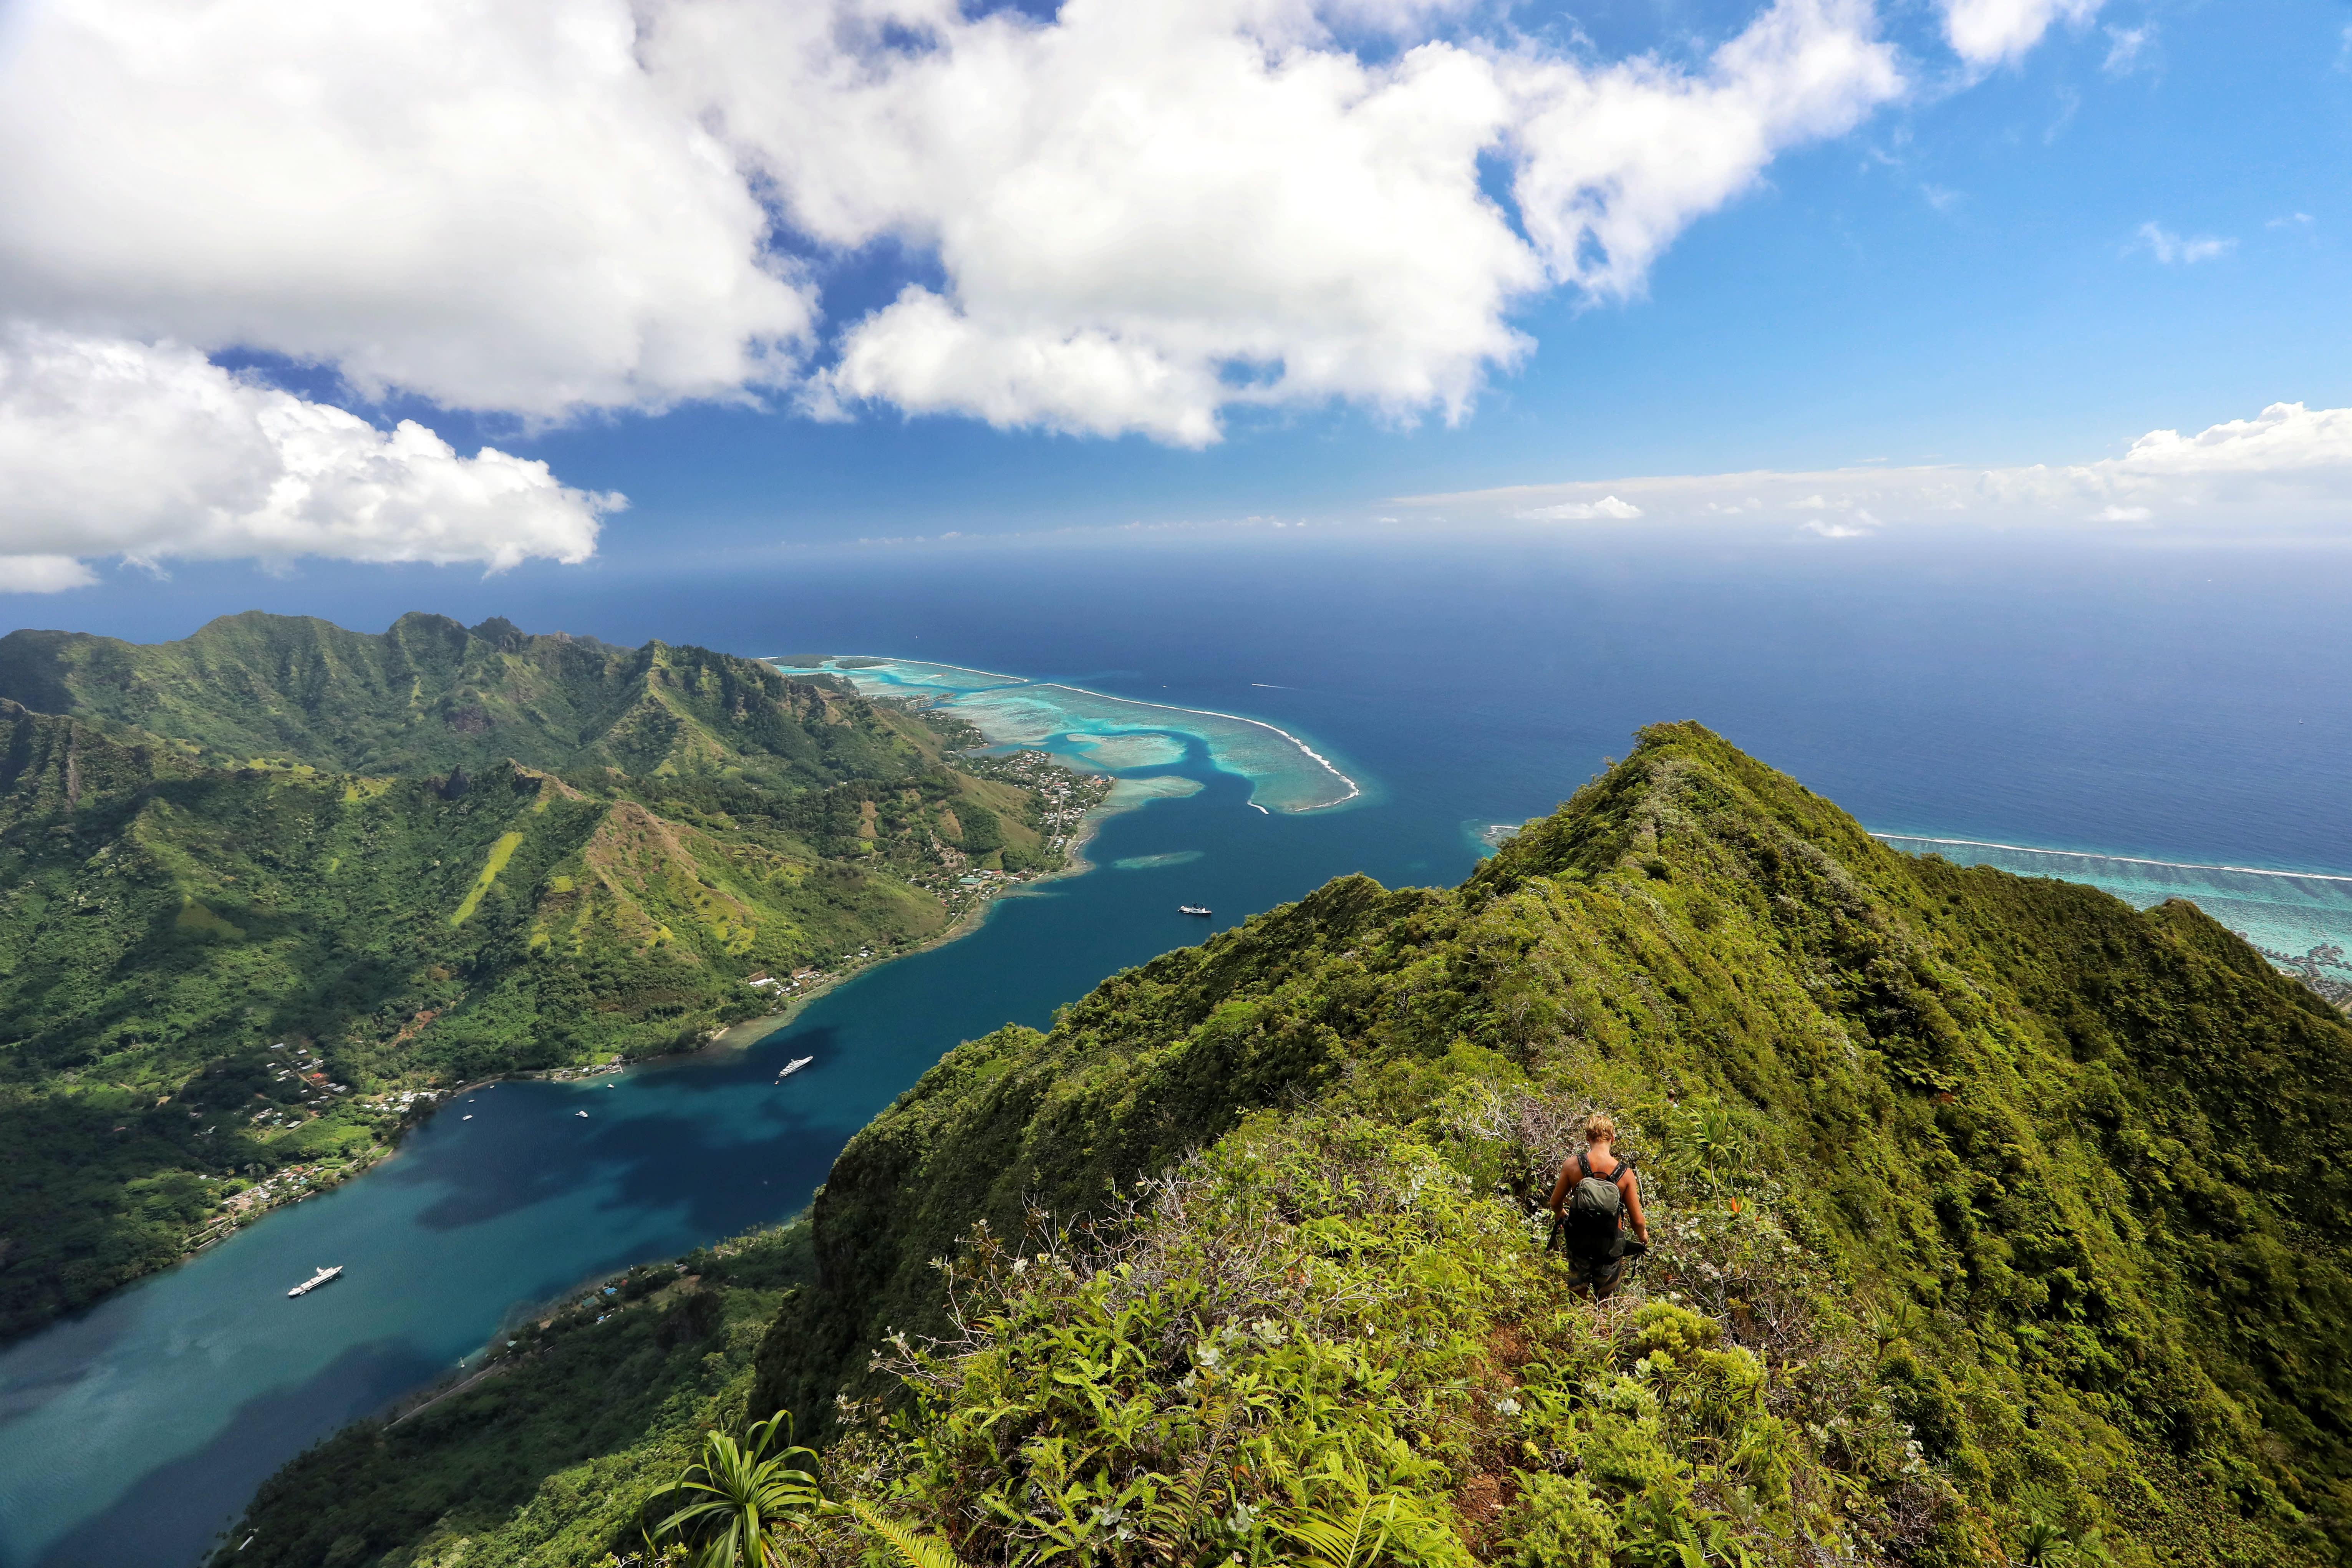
(1996, 1223)
(261, 888)
(429, 695)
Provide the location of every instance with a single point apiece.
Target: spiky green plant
(743, 1496)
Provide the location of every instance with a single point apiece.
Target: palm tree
(744, 1494)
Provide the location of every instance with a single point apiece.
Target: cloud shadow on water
(169, 1516)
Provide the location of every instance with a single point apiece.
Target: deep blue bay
(2129, 705)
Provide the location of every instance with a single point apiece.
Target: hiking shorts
(1598, 1275)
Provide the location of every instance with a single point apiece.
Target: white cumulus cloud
(2286, 472)
(1151, 211)
(2284, 439)
(1143, 213)
(43, 573)
(1615, 163)
(1987, 33)
(1124, 216)
(113, 447)
(1583, 511)
(487, 202)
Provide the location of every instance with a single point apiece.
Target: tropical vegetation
(1996, 1223)
(265, 891)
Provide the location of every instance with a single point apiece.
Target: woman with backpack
(1595, 1195)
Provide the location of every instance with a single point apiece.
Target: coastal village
(1063, 800)
(242, 1198)
(966, 886)
(2309, 967)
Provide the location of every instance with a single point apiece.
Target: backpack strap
(1616, 1177)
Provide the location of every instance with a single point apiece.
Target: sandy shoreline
(735, 1037)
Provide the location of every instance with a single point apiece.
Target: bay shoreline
(312, 1182)
(752, 1031)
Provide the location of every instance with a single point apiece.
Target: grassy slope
(164, 923)
(2068, 1174)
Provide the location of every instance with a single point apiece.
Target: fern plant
(906, 1547)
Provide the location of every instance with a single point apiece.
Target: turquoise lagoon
(2301, 915)
(1111, 734)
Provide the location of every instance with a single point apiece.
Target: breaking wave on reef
(2303, 917)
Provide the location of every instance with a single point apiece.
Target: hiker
(1595, 1195)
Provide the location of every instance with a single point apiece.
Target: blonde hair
(1599, 1129)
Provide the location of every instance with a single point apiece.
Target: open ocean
(2169, 722)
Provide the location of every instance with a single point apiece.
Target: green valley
(1995, 1223)
(264, 890)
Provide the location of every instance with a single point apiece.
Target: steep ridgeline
(429, 695)
(261, 888)
(1995, 1223)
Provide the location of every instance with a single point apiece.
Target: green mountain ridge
(1996, 1221)
(429, 695)
(266, 889)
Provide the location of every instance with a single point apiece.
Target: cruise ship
(324, 1274)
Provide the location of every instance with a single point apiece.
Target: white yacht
(325, 1273)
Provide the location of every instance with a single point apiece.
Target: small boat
(582, 1113)
(1194, 910)
(468, 1117)
(793, 1066)
(325, 1273)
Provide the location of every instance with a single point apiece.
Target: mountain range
(265, 890)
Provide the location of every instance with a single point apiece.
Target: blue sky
(1961, 280)
(2137, 222)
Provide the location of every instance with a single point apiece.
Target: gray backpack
(1594, 1223)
